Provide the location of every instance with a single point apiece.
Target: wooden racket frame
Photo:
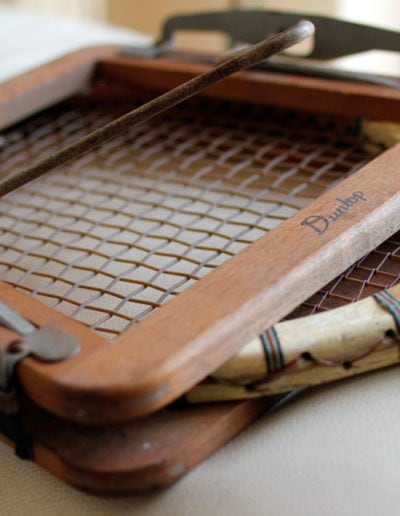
(177, 345)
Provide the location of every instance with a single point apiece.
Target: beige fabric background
(333, 452)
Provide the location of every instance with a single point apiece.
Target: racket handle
(312, 350)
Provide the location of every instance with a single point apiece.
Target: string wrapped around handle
(311, 350)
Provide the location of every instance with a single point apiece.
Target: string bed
(113, 235)
(379, 270)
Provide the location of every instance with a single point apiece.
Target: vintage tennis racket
(343, 336)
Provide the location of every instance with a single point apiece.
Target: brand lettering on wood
(320, 223)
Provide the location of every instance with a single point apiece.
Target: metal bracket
(48, 344)
(333, 38)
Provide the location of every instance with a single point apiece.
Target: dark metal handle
(334, 38)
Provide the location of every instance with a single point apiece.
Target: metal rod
(241, 61)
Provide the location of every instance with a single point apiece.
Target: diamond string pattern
(379, 270)
(113, 235)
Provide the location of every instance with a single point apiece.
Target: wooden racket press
(207, 201)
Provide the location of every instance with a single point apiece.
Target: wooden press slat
(138, 456)
(306, 93)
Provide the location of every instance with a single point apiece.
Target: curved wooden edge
(139, 456)
(50, 83)
(336, 97)
(47, 384)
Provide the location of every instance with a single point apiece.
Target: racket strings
(378, 270)
(113, 235)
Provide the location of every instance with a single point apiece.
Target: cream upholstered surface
(333, 451)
